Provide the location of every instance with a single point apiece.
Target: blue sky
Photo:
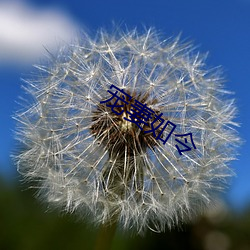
(221, 27)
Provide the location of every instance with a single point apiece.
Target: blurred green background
(27, 225)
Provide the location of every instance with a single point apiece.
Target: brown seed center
(115, 132)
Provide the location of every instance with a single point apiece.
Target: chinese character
(140, 113)
(118, 98)
(156, 120)
(169, 134)
(159, 121)
(187, 148)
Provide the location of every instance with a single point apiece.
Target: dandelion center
(116, 133)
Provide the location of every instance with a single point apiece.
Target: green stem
(105, 236)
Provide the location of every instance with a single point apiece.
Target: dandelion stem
(105, 236)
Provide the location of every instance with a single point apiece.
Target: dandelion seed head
(88, 159)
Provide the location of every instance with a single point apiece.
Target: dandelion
(88, 154)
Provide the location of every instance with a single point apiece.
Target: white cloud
(25, 31)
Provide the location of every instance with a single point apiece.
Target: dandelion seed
(93, 158)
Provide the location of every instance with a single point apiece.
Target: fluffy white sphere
(87, 158)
